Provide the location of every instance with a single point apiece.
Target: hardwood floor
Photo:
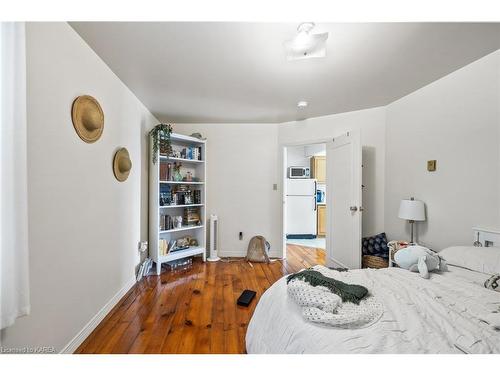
(193, 310)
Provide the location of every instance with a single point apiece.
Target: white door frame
(283, 171)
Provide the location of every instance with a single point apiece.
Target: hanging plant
(160, 136)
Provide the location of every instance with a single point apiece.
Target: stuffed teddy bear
(419, 259)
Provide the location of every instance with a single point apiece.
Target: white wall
(456, 121)
(371, 123)
(84, 225)
(300, 156)
(242, 167)
(317, 149)
(296, 157)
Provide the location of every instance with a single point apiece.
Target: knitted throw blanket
(347, 292)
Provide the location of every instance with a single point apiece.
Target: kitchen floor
(319, 243)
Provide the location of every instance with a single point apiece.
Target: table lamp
(412, 210)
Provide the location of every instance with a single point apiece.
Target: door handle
(353, 208)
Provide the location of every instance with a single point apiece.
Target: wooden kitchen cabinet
(321, 221)
(318, 168)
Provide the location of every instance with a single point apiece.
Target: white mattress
(438, 315)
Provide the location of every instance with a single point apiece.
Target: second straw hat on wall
(122, 164)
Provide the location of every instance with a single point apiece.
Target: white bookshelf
(198, 170)
(183, 182)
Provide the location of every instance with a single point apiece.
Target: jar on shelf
(197, 197)
(188, 197)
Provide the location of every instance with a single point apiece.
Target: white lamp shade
(412, 210)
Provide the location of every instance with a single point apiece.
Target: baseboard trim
(94, 322)
(236, 254)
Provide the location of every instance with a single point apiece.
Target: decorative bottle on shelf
(177, 172)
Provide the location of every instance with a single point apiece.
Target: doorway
(304, 197)
(342, 197)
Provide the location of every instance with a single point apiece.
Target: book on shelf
(166, 222)
(191, 216)
(166, 247)
(163, 171)
(171, 245)
(191, 153)
(163, 247)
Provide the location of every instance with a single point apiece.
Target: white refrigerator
(301, 208)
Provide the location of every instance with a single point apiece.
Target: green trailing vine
(160, 136)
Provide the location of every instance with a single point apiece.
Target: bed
(443, 314)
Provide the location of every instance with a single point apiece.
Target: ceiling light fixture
(306, 45)
(302, 104)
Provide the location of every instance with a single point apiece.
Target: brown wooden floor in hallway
(193, 310)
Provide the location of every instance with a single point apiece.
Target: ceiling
(238, 72)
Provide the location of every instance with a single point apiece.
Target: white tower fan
(214, 243)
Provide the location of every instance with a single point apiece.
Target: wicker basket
(370, 261)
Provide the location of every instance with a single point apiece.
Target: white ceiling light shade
(306, 45)
(302, 104)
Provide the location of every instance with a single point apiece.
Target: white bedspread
(438, 315)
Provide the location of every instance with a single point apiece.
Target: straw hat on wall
(88, 118)
(122, 164)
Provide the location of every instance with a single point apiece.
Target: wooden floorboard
(192, 310)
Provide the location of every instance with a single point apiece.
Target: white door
(301, 215)
(343, 199)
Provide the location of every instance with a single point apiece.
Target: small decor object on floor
(122, 164)
(160, 138)
(258, 250)
(144, 269)
(246, 298)
(88, 118)
(180, 264)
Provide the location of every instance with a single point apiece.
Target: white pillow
(480, 259)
